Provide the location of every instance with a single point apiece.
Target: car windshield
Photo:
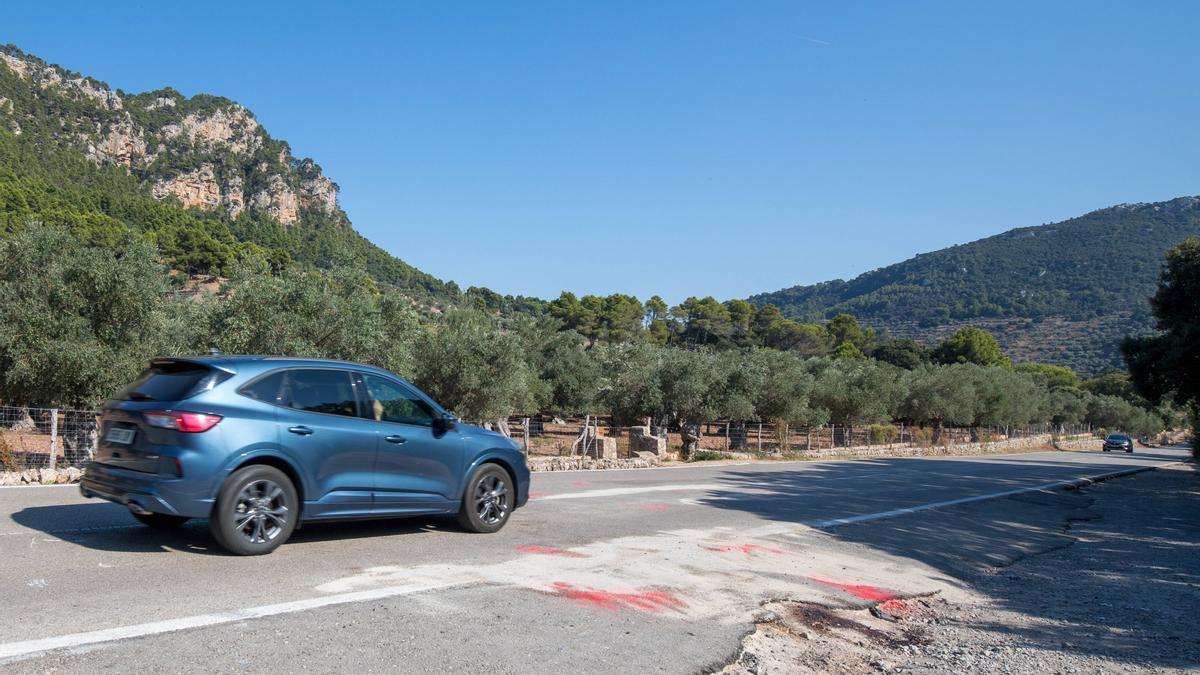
(1116, 439)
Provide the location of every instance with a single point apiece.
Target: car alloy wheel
(261, 512)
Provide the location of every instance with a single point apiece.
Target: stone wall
(41, 476)
(577, 463)
(1013, 444)
(1087, 443)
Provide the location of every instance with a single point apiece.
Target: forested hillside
(1087, 279)
(74, 152)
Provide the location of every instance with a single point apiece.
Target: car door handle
(303, 431)
(398, 440)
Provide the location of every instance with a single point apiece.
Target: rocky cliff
(206, 151)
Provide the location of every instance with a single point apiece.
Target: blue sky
(679, 148)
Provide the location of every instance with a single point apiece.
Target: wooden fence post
(53, 439)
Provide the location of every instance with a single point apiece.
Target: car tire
(256, 511)
(160, 521)
(487, 500)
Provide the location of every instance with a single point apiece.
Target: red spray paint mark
(652, 507)
(896, 607)
(644, 600)
(536, 495)
(864, 592)
(546, 550)
(746, 548)
(581, 483)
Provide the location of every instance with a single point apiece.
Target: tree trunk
(690, 433)
(502, 427)
(581, 441)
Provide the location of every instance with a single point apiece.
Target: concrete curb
(1073, 484)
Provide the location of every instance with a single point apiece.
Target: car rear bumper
(145, 492)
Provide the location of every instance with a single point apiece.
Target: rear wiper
(139, 396)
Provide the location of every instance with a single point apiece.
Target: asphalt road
(657, 570)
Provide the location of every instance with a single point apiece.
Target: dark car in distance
(260, 445)
(1118, 442)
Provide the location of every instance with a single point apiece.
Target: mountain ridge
(207, 154)
(1083, 272)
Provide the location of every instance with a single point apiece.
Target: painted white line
(1076, 482)
(617, 492)
(39, 485)
(28, 648)
(74, 530)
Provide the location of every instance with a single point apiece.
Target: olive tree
(465, 362)
(79, 322)
(856, 391)
(336, 314)
(630, 384)
(938, 395)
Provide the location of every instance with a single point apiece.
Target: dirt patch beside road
(1111, 587)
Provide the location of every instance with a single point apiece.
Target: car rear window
(172, 381)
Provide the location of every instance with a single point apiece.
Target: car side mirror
(444, 422)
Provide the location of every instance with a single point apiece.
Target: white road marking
(77, 530)
(39, 485)
(618, 492)
(13, 650)
(1076, 482)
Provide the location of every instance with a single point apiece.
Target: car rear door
(125, 440)
(418, 467)
(321, 427)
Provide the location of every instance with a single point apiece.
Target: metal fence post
(526, 423)
(53, 439)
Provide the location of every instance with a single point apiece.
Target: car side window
(269, 389)
(391, 402)
(321, 390)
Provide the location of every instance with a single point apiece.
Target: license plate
(119, 435)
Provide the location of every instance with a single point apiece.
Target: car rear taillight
(192, 423)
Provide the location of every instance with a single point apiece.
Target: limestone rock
(277, 201)
(640, 440)
(319, 192)
(196, 188)
(232, 129)
(603, 448)
(234, 198)
(123, 144)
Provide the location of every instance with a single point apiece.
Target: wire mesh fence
(38, 438)
(597, 436)
(46, 438)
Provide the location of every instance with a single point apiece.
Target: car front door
(322, 428)
(418, 467)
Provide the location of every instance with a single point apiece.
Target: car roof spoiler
(206, 362)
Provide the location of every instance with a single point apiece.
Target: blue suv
(259, 445)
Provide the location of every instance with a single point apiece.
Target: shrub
(705, 456)
(8, 459)
(923, 437)
(882, 434)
